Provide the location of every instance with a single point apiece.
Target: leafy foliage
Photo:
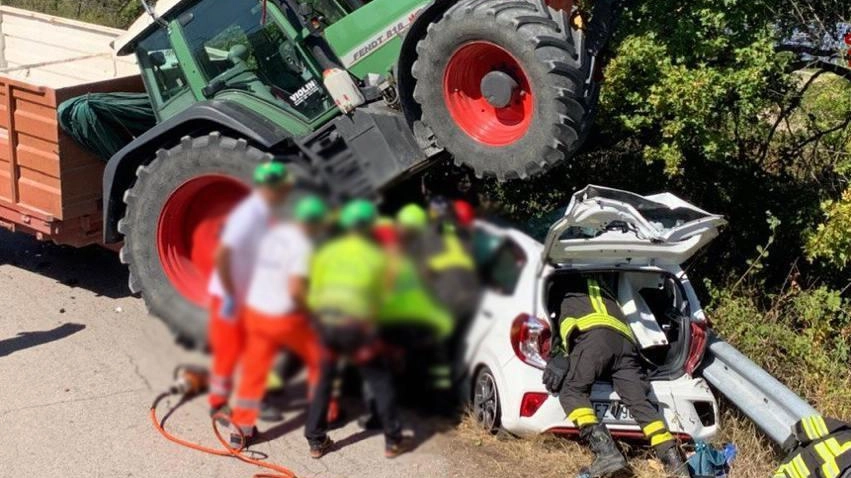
(113, 13)
(831, 240)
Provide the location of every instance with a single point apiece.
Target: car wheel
(486, 406)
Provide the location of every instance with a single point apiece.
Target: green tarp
(103, 123)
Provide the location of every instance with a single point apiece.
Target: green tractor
(506, 87)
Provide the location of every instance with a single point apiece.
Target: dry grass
(548, 456)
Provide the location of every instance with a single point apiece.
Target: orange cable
(236, 452)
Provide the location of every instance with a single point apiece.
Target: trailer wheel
(502, 86)
(175, 210)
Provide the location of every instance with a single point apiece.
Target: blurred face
(275, 195)
(407, 234)
(314, 229)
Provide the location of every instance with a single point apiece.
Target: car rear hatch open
(604, 226)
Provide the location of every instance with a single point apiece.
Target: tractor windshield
(236, 49)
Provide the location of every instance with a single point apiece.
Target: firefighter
(275, 316)
(823, 450)
(348, 279)
(234, 263)
(412, 324)
(417, 309)
(446, 267)
(596, 343)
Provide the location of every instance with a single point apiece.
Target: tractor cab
(210, 49)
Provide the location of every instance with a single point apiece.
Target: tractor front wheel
(503, 86)
(175, 211)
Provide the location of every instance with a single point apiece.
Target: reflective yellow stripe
(829, 469)
(599, 318)
(654, 428)
(582, 417)
(452, 256)
(596, 298)
(820, 426)
(814, 427)
(591, 321)
(800, 466)
(805, 424)
(790, 470)
(660, 438)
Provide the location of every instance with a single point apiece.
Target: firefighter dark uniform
(823, 450)
(599, 345)
(449, 271)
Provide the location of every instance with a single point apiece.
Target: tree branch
(784, 112)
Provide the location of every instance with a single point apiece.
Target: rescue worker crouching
(234, 264)
(348, 278)
(275, 316)
(596, 343)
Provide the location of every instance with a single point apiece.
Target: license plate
(612, 412)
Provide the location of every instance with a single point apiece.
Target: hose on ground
(227, 450)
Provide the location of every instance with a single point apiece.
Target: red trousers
(227, 337)
(265, 337)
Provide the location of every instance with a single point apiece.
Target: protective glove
(228, 307)
(555, 372)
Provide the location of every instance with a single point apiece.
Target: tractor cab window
(162, 73)
(236, 49)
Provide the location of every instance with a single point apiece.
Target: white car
(642, 241)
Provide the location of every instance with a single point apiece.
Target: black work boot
(672, 461)
(608, 461)
(319, 449)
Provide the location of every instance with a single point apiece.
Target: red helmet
(464, 213)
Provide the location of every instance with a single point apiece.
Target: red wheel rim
(188, 231)
(470, 109)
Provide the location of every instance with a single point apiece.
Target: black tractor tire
(556, 64)
(156, 181)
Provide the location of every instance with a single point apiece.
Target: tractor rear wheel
(502, 85)
(175, 210)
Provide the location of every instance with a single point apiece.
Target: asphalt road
(80, 362)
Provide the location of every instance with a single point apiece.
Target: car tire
(485, 404)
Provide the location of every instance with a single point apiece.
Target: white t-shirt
(284, 253)
(243, 231)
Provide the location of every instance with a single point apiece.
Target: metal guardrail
(767, 402)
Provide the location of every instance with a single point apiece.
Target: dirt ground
(80, 362)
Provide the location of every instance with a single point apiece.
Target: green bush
(801, 336)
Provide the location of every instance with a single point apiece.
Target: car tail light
(530, 339)
(531, 402)
(697, 346)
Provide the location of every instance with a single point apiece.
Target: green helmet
(310, 209)
(271, 173)
(412, 216)
(357, 212)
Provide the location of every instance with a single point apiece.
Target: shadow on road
(92, 268)
(25, 340)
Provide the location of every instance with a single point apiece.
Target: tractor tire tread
(185, 320)
(564, 67)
